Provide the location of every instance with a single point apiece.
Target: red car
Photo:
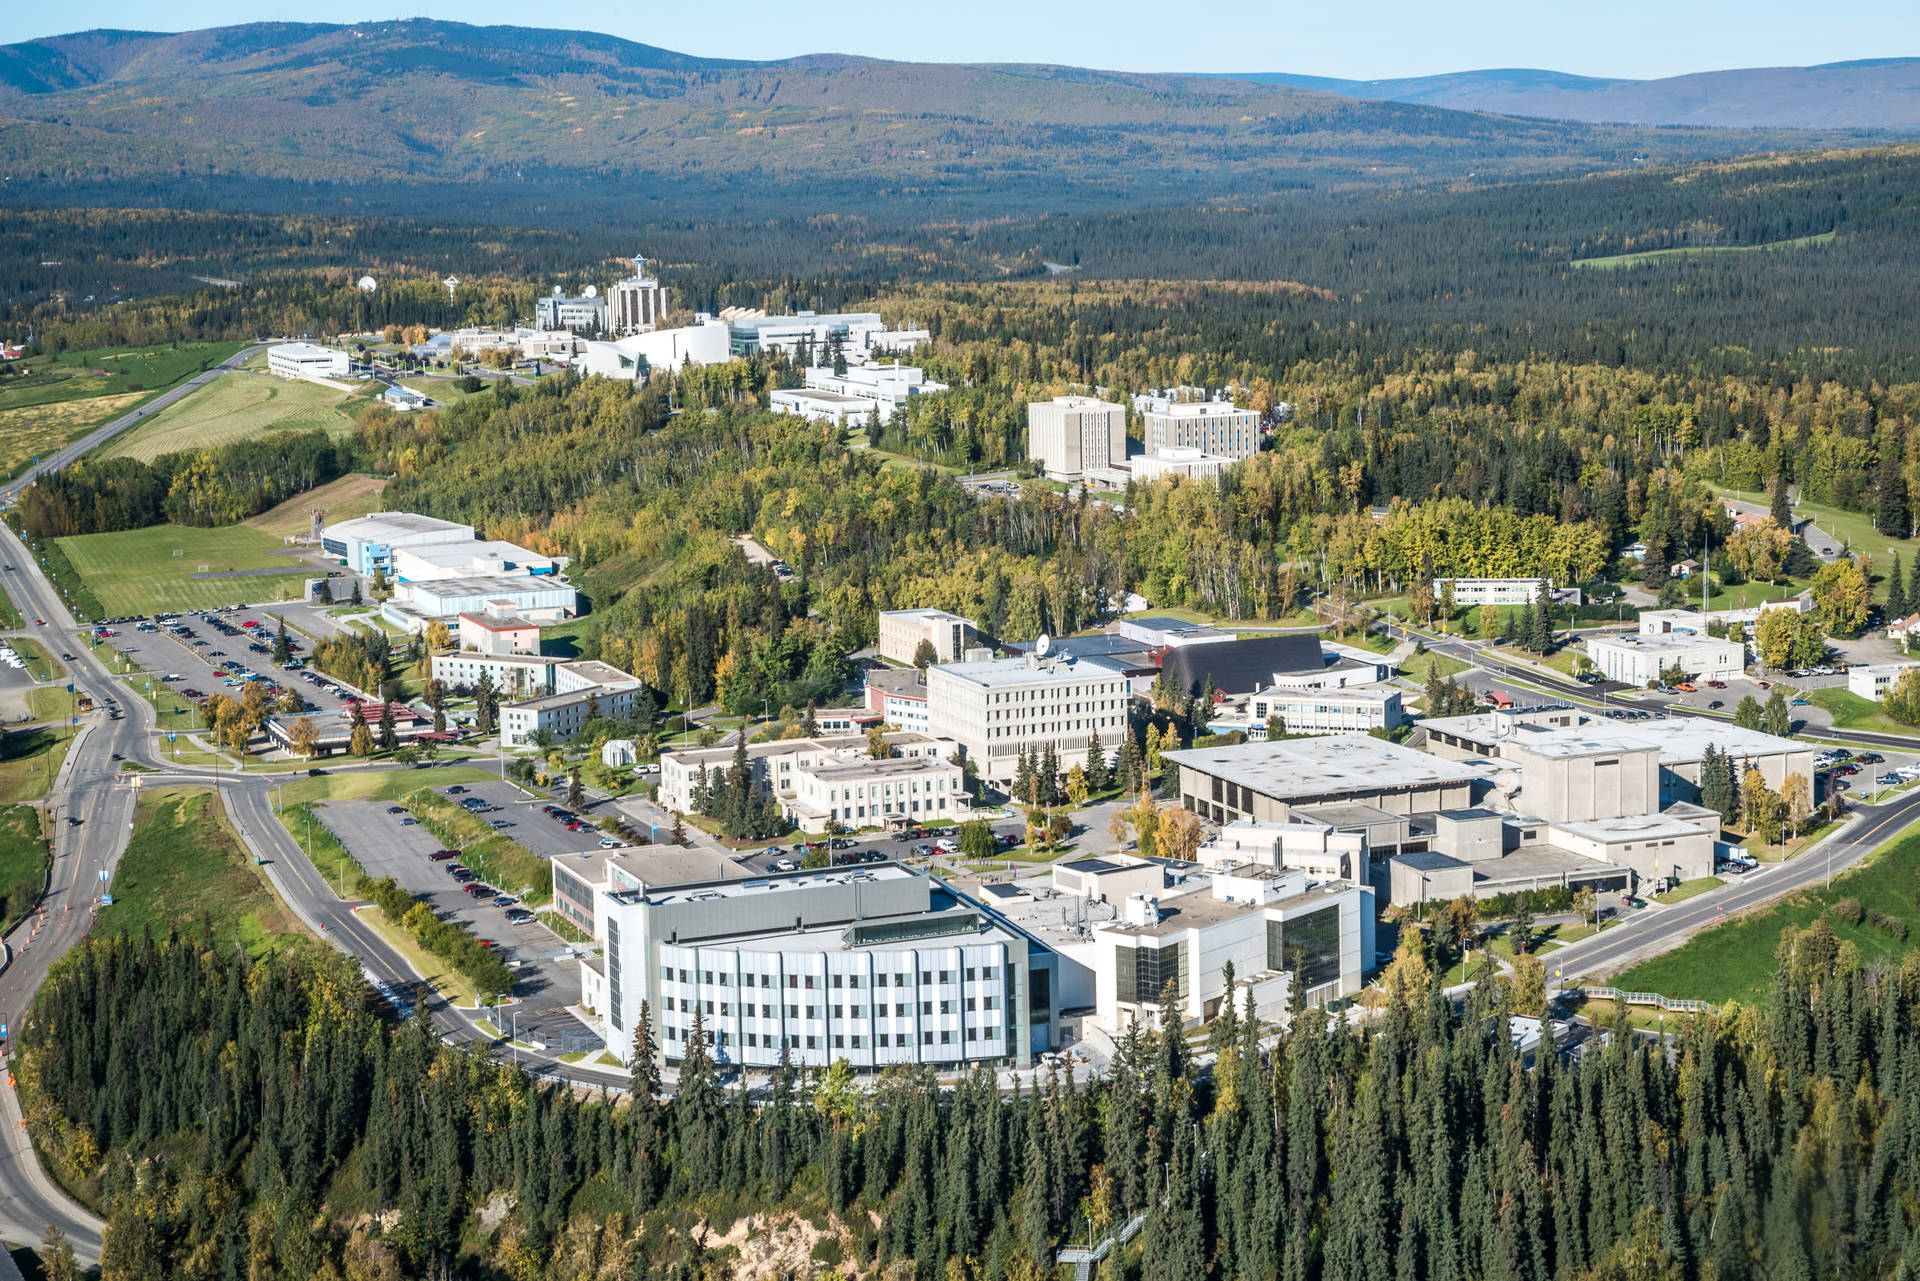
(249, 623)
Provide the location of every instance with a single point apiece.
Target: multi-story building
(899, 696)
(469, 558)
(1072, 435)
(859, 334)
(305, 360)
(1269, 781)
(877, 966)
(902, 630)
(886, 388)
(637, 304)
(997, 708)
(632, 358)
(1472, 593)
(1326, 711)
(1873, 680)
(833, 778)
(585, 314)
(542, 598)
(1639, 660)
(1189, 464)
(497, 631)
(366, 544)
(542, 693)
(1211, 426)
(815, 405)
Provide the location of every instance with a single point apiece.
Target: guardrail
(1670, 1003)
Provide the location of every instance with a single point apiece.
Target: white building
(1472, 593)
(996, 708)
(582, 691)
(587, 313)
(902, 630)
(1873, 680)
(1660, 622)
(885, 387)
(366, 543)
(1327, 711)
(1072, 435)
(1188, 464)
(832, 778)
(305, 360)
(469, 558)
(1317, 849)
(1637, 660)
(852, 412)
(632, 358)
(541, 599)
(403, 400)
(1211, 426)
(899, 696)
(618, 753)
(497, 630)
(1270, 925)
(877, 965)
(637, 304)
(860, 333)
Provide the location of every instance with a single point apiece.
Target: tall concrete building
(637, 304)
(1211, 426)
(557, 311)
(902, 630)
(1072, 435)
(998, 707)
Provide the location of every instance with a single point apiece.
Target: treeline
(201, 488)
(448, 940)
(1757, 1143)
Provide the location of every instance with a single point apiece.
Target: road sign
(106, 900)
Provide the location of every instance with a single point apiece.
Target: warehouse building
(1269, 781)
(306, 360)
(366, 544)
(1639, 660)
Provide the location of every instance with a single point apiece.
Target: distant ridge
(1866, 93)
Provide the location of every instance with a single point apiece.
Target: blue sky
(1362, 39)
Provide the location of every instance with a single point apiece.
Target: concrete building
(581, 691)
(1188, 464)
(403, 400)
(899, 696)
(1662, 622)
(1160, 632)
(1110, 878)
(1318, 849)
(306, 360)
(1269, 781)
(1271, 665)
(469, 558)
(1072, 435)
(1472, 593)
(634, 357)
(618, 753)
(515, 675)
(902, 630)
(997, 708)
(637, 304)
(541, 599)
(1326, 711)
(497, 631)
(1211, 426)
(365, 544)
(1271, 926)
(852, 412)
(1873, 680)
(886, 388)
(585, 314)
(1638, 660)
(860, 334)
(877, 965)
(832, 777)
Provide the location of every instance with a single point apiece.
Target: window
(946, 1037)
(926, 1007)
(813, 1011)
(836, 980)
(793, 980)
(926, 976)
(946, 1007)
(969, 974)
(839, 1042)
(810, 1041)
(900, 1011)
(881, 1040)
(766, 1011)
(793, 1011)
(1142, 972)
(809, 980)
(926, 1038)
(1309, 944)
(836, 1012)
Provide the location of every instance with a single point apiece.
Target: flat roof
(792, 746)
(1333, 766)
(464, 550)
(375, 525)
(891, 765)
(1680, 740)
(598, 672)
(901, 682)
(510, 660)
(1193, 911)
(1427, 861)
(1660, 642)
(493, 623)
(775, 883)
(803, 318)
(925, 615)
(1537, 861)
(824, 397)
(302, 350)
(489, 585)
(1006, 672)
(1636, 827)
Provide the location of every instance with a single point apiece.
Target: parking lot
(384, 845)
(539, 832)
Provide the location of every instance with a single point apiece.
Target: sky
(1356, 39)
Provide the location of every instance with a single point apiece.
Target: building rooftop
(592, 669)
(1192, 911)
(1121, 650)
(802, 319)
(1659, 643)
(1636, 827)
(378, 525)
(500, 623)
(465, 551)
(1352, 693)
(889, 766)
(830, 399)
(901, 682)
(509, 660)
(1198, 409)
(772, 883)
(1241, 666)
(488, 585)
(1428, 861)
(925, 616)
(1346, 814)
(1539, 862)
(853, 744)
(304, 350)
(1681, 740)
(1007, 672)
(1334, 766)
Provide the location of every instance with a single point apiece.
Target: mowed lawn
(341, 499)
(1735, 961)
(62, 397)
(145, 571)
(236, 407)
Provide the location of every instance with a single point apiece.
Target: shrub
(1893, 926)
(1849, 910)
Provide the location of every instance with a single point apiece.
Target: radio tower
(315, 517)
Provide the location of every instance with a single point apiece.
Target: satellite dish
(558, 292)
(1044, 645)
(368, 284)
(591, 291)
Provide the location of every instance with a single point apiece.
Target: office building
(886, 388)
(365, 544)
(899, 696)
(834, 779)
(305, 360)
(997, 708)
(585, 314)
(1072, 435)
(1274, 927)
(858, 334)
(469, 558)
(1873, 680)
(1188, 464)
(581, 691)
(540, 598)
(1269, 781)
(852, 412)
(1326, 711)
(877, 965)
(497, 630)
(637, 304)
(1640, 660)
(1472, 593)
(634, 357)
(1210, 426)
(902, 630)
(1318, 849)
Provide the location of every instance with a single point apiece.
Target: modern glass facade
(1142, 972)
(1308, 945)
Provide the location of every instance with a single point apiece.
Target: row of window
(844, 1040)
(901, 1009)
(678, 974)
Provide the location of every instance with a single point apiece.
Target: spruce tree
(1780, 503)
(1096, 766)
(1897, 607)
(389, 734)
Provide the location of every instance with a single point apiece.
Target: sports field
(238, 406)
(59, 398)
(341, 499)
(144, 571)
(1613, 262)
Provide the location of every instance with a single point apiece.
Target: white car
(946, 847)
(785, 865)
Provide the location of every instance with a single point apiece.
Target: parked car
(396, 809)
(1889, 779)
(519, 916)
(785, 865)
(1715, 705)
(504, 900)
(441, 856)
(1870, 758)
(500, 824)
(457, 789)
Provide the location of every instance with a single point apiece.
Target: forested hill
(425, 116)
(1875, 93)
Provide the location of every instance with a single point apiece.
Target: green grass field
(183, 866)
(10, 619)
(236, 407)
(41, 664)
(1417, 667)
(1855, 529)
(60, 398)
(29, 760)
(1735, 961)
(23, 863)
(1850, 711)
(341, 499)
(137, 571)
(1614, 262)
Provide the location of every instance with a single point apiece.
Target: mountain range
(550, 126)
(1878, 93)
